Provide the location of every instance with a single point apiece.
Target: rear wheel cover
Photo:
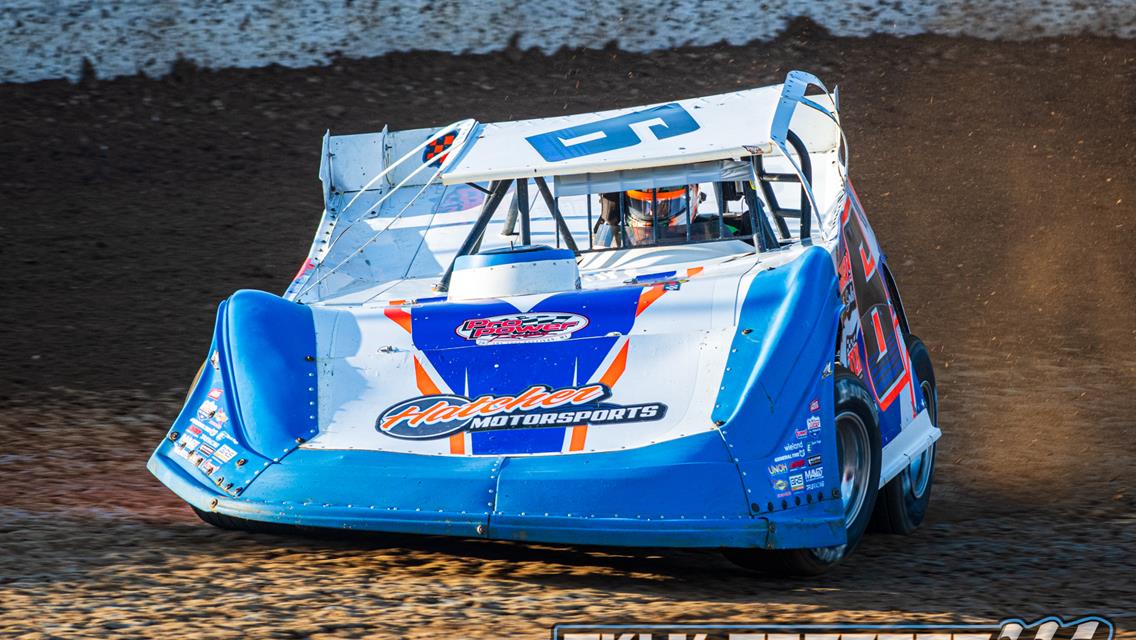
(858, 450)
(903, 502)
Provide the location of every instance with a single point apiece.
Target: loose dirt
(998, 176)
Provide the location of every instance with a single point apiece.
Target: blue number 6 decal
(611, 134)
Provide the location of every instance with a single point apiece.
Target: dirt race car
(663, 326)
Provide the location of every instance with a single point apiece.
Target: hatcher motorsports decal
(522, 327)
(439, 416)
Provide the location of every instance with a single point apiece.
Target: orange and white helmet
(666, 205)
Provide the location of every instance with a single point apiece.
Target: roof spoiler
(793, 94)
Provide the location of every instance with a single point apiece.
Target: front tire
(859, 452)
(903, 502)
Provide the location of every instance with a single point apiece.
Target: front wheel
(903, 502)
(858, 458)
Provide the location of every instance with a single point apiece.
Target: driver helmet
(667, 205)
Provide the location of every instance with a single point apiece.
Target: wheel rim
(853, 451)
(917, 476)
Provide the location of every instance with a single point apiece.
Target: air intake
(514, 271)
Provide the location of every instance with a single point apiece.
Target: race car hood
(580, 371)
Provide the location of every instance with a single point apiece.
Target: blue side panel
(254, 398)
(271, 346)
(368, 490)
(511, 368)
(684, 493)
(402, 488)
(776, 403)
(691, 476)
(523, 441)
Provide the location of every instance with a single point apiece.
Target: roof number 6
(668, 121)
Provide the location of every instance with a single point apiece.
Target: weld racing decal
(439, 416)
(522, 327)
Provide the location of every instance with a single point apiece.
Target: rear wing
(784, 137)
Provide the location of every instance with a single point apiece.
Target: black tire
(903, 502)
(857, 423)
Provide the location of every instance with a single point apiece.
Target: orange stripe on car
(401, 317)
(652, 293)
(648, 296)
(427, 387)
(609, 378)
(579, 435)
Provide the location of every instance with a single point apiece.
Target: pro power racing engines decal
(439, 416)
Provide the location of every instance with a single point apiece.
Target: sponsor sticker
(215, 393)
(207, 467)
(796, 464)
(522, 327)
(429, 417)
(207, 409)
(814, 460)
(793, 446)
(187, 442)
(225, 453)
(220, 418)
(814, 406)
(797, 482)
(780, 485)
(813, 446)
(789, 456)
(816, 473)
(202, 427)
(802, 433)
(780, 467)
(813, 423)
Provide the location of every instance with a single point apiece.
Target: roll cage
(764, 213)
(750, 183)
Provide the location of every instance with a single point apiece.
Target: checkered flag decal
(436, 149)
(1056, 629)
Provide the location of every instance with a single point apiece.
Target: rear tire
(903, 502)
(858, 447)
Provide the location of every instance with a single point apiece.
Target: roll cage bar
(763, 236)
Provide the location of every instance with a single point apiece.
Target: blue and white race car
(665, 326)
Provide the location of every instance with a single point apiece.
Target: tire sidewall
(914, 509)
(853, 396)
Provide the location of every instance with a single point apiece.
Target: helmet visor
(646, 206)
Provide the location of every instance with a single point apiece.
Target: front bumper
(683, 493)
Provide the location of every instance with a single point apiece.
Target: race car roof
(730, 125)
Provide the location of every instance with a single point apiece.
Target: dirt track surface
(998, 176)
